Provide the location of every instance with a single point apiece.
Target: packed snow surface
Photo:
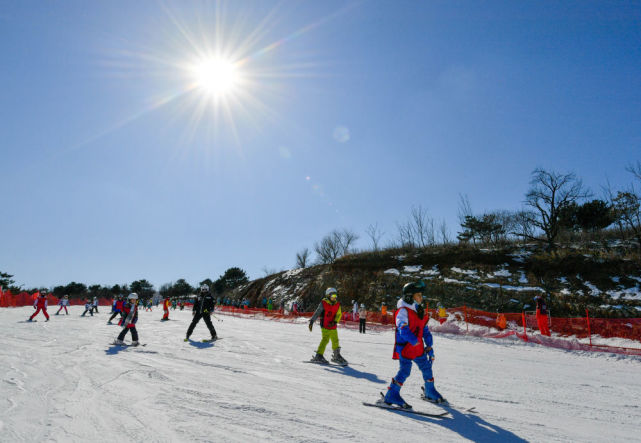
(62, 381)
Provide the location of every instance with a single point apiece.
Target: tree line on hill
(231, 278)
(557, 208)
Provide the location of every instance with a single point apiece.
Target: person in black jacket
(203, 308)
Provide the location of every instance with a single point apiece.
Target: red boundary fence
(582, 327)
(9, 300)
(512, 324)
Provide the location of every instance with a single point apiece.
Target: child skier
(95, 304)
(88, 308)
(330, 314)
(203, 307)
(413, 344)
(116, 308)
(64, 302)
(130, 309)
(40, 304)
(165, 307)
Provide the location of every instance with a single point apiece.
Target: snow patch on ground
(523, 279)
(469, 273)
(514, 288)
(411, 269)
(392, 271)
(594, 291)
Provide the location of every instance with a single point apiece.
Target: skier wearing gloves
(64, 302)
(413, 343)
(329, 311)
(203, 308)
(130, 310)
(116, 308)
(40, 304)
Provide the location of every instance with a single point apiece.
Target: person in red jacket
(165, 307)
(130, 310)
(413, 344)
(40, 304)
(542, 315)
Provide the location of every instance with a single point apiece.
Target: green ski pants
(328, 334)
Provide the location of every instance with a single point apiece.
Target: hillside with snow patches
(503, 281)
(62, 381)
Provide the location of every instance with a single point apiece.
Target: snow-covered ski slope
(61, 381)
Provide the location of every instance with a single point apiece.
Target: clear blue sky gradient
(110, 174)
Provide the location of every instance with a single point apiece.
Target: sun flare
(216, 76)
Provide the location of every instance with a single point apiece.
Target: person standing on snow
(116, 308)
(95, 305)
(88, 308)
(64, 302)
(203, 308)
(130, 310)
(329, 311)
(362, 317)
(354, 309)
(413, 343)
(165, 307)
(542, 315)
(40, 304)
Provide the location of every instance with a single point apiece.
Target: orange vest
(416, 326)
(329, 315)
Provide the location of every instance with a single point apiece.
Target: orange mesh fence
(9, 300)
(510, 325)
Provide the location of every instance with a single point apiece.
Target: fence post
(524, 326)
(467, 328)
(587, 316)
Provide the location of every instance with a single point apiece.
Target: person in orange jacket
(165, 307)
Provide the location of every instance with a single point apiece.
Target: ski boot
(47, 320)
(431, 394)
(186, 339)
(135, 343)
(118, 342)
(30, 319)
(338, 358)
(319, 358)
(393, 396)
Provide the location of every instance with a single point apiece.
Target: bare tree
(549, 192)
(445, 232)
(375, 234)
(418, 231)
(334, 245)
(302, 258)
(406, 235)
(635, 169)
(423, 226)
(464, 208)
(522, 224)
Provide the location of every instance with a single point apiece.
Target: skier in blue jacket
(413, 343)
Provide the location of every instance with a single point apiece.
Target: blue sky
(116, 168)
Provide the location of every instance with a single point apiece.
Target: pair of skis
(446, 414)
(326, 364)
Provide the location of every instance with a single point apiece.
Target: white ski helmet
(330, 291)
(362, 305)
(132, 296)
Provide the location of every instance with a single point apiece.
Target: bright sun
(216, 76)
